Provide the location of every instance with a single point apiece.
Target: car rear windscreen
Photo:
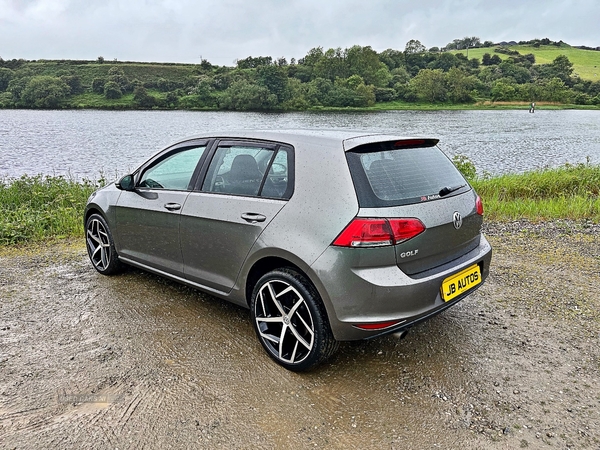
(393, 177)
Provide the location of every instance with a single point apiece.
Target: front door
(148, 219)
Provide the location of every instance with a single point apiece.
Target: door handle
(173, 206)
(253, 217)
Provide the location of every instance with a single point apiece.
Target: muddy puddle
(135, 361)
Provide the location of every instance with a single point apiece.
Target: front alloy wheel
(290, 320)
(100, 246)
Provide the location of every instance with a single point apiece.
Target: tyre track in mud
(135, 361)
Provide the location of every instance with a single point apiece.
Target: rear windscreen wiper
(447, 189)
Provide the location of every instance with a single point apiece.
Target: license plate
(460, 283)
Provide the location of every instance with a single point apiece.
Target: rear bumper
(358, 293)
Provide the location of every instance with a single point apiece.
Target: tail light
(479, 205)
(378, 232)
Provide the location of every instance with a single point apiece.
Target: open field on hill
(586, 63)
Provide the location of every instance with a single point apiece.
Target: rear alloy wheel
(100, 246)
(290, 320)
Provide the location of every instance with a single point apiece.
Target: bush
(98, 85)
(465, 166)
(112, 91)
(142, 99)
(385, 94)
(44, 92)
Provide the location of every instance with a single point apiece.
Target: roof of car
(349, 138)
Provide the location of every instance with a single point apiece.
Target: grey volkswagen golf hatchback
(325, 236)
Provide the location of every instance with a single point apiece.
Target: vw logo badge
(457, 220)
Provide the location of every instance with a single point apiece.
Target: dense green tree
(313, 56)
(489, 60)
(503, 90)
(445, 61)
(206, 66)
(510, 69)
(275, 79)
(364, 61)
(171, 99)
(298, 95)
(16, 86)
(385, 94)
(318, 90)
(528, 92)
(98, 85)
(332, 65)
(430, 85)
(252, 63)
(5, 76)
(74, 83)
(399, 82)
(414, 46)
(460, 86)
(302, 72)
(117, 75)
(204, 92)
(562, 68)
(44, 92)
(142, 99)
(594, 88)
(393, 59)
(243, 95)
(112, 90)
(555, 90)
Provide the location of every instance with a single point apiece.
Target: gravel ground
(135, 361)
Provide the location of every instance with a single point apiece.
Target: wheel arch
(266, 265)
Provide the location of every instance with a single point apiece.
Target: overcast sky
(222, 31)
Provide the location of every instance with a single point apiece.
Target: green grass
(586, 63)
(92, 100)
(568, 192)
(39, 208)
(88, 70)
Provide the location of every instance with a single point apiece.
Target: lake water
(86, 143)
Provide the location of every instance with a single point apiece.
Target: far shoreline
(486, 105)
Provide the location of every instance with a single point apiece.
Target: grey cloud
(221, 31)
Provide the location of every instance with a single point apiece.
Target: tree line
(352, 77)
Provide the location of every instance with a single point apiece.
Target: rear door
(244, 187)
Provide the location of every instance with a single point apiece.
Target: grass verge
(35, 209)
(38, 208)
(567, 192)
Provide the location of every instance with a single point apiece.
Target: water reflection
(85, 143)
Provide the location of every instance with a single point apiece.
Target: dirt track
(135, 361)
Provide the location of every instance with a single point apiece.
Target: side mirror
(127, 183)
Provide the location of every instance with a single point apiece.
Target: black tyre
(101, 246)
(290, 320)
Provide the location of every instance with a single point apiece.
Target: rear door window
(250, 170)
(393, 177)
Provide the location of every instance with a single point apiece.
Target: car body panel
(148, 232)
(386, 293)
(215, 239)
